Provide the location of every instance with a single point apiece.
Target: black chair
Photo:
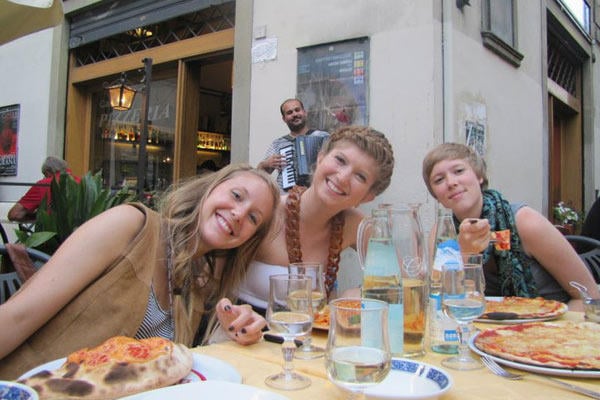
(589, 251)
(38, 257)
(10, 282)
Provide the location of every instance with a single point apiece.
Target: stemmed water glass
(358, 348)
(463, 300)
(314, 271)
(289, 314)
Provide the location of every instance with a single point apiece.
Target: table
(257, 361)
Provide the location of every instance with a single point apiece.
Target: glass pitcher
(391, 243)
(409, 241)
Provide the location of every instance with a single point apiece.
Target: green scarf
(513, 265)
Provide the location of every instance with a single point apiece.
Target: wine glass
(289, 314)
(314, 271)
(463, 300)
(358, 348)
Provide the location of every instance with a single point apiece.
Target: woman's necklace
(292, 237)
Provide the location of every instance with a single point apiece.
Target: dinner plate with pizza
(321, 320)
(563, 348)
(516, 310)
(123, 366)
(209, 390)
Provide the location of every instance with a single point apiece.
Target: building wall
(34, 76)
(407, 73)
(412, 81)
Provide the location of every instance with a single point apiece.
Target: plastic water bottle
(443, 337)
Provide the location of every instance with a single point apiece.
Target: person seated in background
(136, 272)
(591, 224)
(25, 208)
(540, 261)
(320, 221)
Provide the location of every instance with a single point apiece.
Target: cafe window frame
(499, 29)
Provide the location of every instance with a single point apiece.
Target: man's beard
(294, 127)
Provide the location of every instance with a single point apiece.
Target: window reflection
(116, 136)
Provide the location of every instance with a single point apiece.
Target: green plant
(72, 204)
(565, 215)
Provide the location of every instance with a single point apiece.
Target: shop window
(499, 29)
(116, 136)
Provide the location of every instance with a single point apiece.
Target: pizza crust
(89, 374)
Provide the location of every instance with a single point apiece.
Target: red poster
(9, 129)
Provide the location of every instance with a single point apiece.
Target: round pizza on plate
(562, 344)
(522, 308)
(118, 367)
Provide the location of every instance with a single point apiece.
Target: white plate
(206, 367)
(413, 380)
(573, 373)
(513, 321)
(209, 390)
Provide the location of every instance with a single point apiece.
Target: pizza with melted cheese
(524, 308)
(563, 344)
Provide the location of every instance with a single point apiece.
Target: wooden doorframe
(565, 161)
(79, 98)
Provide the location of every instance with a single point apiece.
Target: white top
(255, 288)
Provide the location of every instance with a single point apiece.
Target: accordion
(300, 157)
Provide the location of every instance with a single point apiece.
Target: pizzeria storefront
(190, 44)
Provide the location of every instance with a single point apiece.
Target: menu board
(333, 83)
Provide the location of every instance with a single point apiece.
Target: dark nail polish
(243, 331)
(227, 308)
(230, 329)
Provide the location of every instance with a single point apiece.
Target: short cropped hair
(454, 151)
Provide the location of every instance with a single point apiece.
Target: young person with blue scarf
(540, 262)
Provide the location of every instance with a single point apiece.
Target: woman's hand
(239, 322)
(473, 235)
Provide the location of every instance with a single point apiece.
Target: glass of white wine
(463, 300)
(289, 314)
(314, 271)
(358, 349)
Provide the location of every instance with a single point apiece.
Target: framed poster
(9, 130)
(333, 83)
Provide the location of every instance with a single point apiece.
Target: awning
(22, 17)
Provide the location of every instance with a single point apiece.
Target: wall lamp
(121, 98)
(120, 94)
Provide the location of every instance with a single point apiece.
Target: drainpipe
(447, 87)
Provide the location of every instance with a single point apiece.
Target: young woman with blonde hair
(353, 167)
(135, 272)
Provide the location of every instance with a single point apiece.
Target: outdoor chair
(589, 251)
(9, 284)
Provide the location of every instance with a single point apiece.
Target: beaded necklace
(292, 237)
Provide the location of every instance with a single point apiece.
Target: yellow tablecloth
(257, 361)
